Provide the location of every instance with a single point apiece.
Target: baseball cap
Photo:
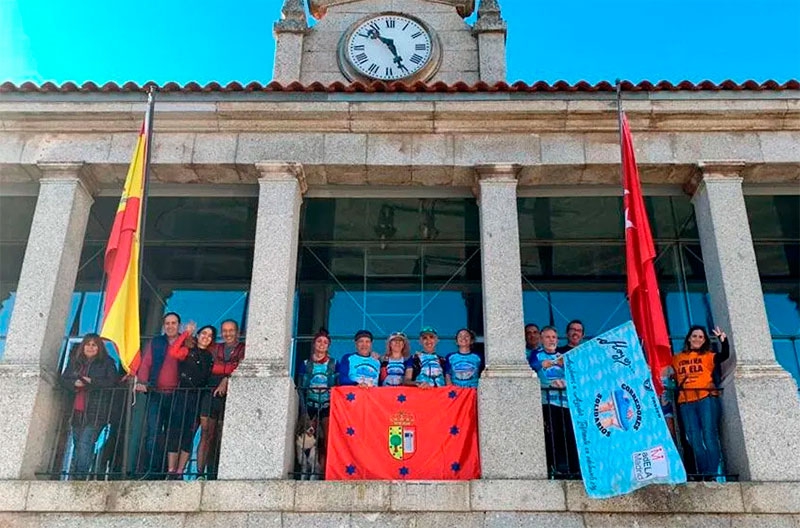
(428, 330)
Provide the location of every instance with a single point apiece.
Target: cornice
(499, 116)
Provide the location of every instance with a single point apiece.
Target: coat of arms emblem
(402, 436)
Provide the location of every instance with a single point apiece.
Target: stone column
(760, 411)
(31, 407)
(257, 441)
(506, 369)
(289, 33)
(490, 28)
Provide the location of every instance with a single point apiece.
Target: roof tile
(392, 87)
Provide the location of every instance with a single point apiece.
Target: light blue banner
(622, 438)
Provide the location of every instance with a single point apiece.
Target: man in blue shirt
(548, 362)
(426, 368)
(361, 367)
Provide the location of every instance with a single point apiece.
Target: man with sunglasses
(426, 368)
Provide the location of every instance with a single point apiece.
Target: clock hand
(399, 61)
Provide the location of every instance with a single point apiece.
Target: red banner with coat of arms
(396, 433)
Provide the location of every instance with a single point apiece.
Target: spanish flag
(121, 304)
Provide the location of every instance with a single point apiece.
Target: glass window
(16, 216)
(573, 262)
(198, 257)
(775, 226)
(387, 265)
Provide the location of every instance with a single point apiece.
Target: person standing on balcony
(317, 376)
(361, 367)
(562, 453)
(194, 368)
(463, 368)
(91, 374)
(532, 340)
(158, 377)
(696, 371)
(393, 364)
(575, 333)
(227, 356)
(426, 368)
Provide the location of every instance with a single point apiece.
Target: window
(387, 265)
(775, 227)
(16, 216)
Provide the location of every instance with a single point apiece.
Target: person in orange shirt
(698, 402)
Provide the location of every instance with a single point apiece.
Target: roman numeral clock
(389, 47)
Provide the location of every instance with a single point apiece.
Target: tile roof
(399, 87)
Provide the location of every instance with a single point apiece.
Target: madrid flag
(396, 433)
(640, 253)
(121, 304)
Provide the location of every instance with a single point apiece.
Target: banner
(396, 433)
(622, 438)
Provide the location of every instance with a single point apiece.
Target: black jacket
(99, 394)
(195, 370)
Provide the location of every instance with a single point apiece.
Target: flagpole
(131, 393)
(619, 124)
(148, 119)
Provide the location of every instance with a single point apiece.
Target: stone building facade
(459, 133)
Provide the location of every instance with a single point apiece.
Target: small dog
(306, 444)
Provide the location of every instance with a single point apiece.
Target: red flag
(395, 433)
(643, 294)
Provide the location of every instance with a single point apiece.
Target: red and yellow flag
(121, 305)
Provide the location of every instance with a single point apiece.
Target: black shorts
(212, 406)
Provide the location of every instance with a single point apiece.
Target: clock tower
(388, 41)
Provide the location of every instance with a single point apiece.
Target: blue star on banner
(350, 396)
(454, 430)
(401, 398)
(452, 394)
(455, 466)
(350, 469)
(404, 471)
(350, 431)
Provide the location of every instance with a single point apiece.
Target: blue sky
(593, 40)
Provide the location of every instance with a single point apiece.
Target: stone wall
(459, 46)
(403, 504)
(386, 140)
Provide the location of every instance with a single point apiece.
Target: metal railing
(121, 434)
(692, 416)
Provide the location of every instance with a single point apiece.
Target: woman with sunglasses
(393, 363)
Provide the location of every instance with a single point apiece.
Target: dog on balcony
(306, 444)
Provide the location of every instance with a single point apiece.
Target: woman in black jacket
(90, 374)
(194, 370)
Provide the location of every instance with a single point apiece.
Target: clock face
(389, 47)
